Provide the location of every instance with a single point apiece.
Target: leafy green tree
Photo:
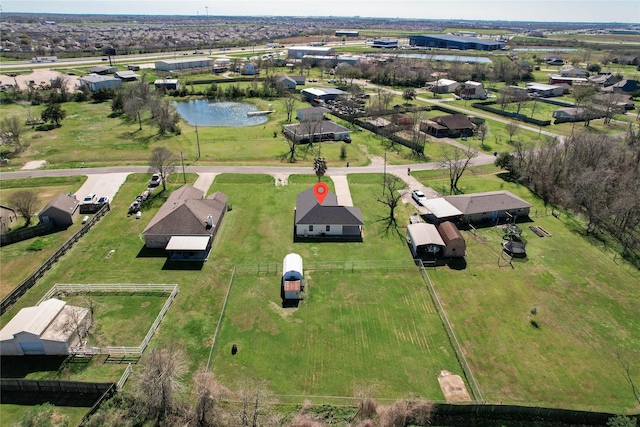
(622, 421)
(54, 114)
(409, 94)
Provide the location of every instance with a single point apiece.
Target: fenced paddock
(122, 352)
(361, 323)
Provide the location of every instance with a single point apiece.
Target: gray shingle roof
(489, 201)
(186, 212)
(309, 211)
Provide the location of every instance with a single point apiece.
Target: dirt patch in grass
(453, 387)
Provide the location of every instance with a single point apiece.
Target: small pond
(202, 112)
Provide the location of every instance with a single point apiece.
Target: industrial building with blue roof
(450, 41)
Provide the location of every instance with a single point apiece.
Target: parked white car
(419, 197)
(89, 199)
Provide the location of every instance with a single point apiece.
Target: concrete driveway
(106, 184)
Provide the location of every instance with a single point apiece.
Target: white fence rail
(124, 377)
(118, 351)
(106, 287)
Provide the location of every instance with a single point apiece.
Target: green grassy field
(14, 265)
(372, 329)
(586, 310)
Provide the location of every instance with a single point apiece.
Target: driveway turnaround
(106, 184)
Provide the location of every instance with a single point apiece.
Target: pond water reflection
(203, 112)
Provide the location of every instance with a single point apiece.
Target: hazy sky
(623, 11)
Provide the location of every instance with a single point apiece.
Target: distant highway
(6, 66)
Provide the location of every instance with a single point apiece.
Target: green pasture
(371, 330)
(14, 265)
(586, 309)
(11, 415)
(381, 319)
(90, 128)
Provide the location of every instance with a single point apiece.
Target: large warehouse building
(449, 41)
(183, 64)
(297, 52)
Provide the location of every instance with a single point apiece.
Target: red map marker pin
(320, 190)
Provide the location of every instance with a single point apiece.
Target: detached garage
(455, 245)
(51, 328)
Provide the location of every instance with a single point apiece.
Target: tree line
(597, 176)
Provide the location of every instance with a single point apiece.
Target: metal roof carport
(189, 248)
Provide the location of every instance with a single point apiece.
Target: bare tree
(160, 382)
(456, 160)
(25, 202)
(78, 323)
(165, 116)
(255, 402)
(163, 162)
(289, 103)
(418, 138)
(209, 395)
(626, 367)
(10, 130)
(390, 196)
(512, 128)
(482, 132)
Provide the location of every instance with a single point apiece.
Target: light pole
(208, 28)
(198, 141)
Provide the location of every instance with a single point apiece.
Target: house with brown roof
(62, 210)
(186, 224)
(326, 220)
(452, 126)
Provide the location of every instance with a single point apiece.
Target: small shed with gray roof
(62, 210)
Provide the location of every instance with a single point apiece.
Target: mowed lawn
(587, 308)
(372, 330)
(20, 259)
(376, 329)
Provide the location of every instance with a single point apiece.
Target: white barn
(51, 328)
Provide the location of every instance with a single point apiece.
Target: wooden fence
(28, 283)
(27, 233)
(133, 288)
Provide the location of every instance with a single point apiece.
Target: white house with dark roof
(50, 328)
(326, 220)
(318, 130)
(186, 224)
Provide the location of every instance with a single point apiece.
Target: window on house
(328, 228)
(311, 228)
